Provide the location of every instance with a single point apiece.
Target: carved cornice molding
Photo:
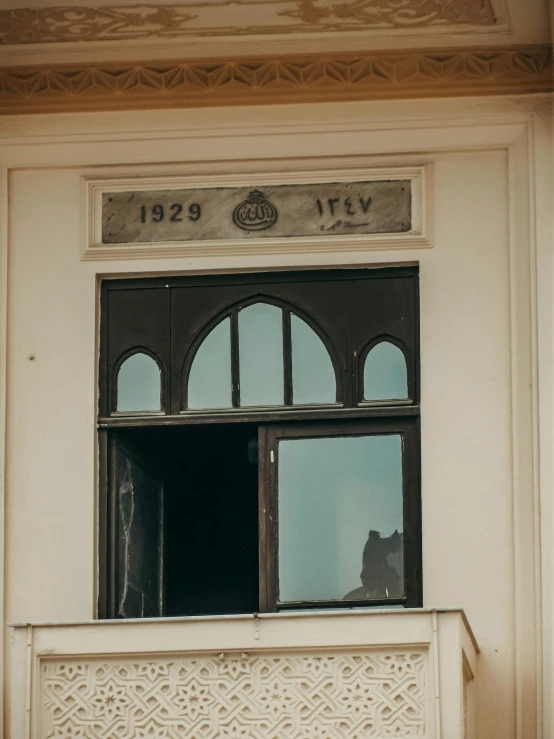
(237, 17)
(370, 76)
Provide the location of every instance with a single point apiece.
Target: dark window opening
(195, 511)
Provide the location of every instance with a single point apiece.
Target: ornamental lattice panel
(238, 696)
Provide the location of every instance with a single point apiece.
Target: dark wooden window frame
(345, 418)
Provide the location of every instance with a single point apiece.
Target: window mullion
(235, 360)
(287, 357)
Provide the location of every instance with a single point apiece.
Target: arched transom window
(261, 355)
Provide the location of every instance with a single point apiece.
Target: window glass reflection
(261, 355)
(313, 376)
(138, 384)
(210, 375)
(340, 508)
(385, 374)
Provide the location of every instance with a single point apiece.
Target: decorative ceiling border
(238, 18)
(251, 81)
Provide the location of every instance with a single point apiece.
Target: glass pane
(385, 374)
(340, 518)
(210, 374)
(139, 384)
(139, 540)
(261, 355)
(313, 376)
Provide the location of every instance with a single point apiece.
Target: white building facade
(467, 122)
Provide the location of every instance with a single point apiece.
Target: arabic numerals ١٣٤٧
(343, 206)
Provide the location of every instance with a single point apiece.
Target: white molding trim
(525, 435)
(420, 235)
(4, 241)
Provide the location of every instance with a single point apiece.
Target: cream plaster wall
(475, 313)
(465, 368)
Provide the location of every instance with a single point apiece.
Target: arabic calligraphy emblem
(255, 213)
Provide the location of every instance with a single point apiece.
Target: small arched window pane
(385, 373)
(261, 355)
(210, 374)
(313, 375)
(139, 384)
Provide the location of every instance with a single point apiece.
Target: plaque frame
(419, 236)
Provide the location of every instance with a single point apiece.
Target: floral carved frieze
(370, 76)
(296, 695)
(235, 17)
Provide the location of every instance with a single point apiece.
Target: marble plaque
(275, 211)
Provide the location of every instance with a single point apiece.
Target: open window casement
(280, 467)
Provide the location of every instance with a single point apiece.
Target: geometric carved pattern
(193, 18)
(237, 696)
(364, 76)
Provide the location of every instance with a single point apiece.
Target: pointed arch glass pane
(385, 373)
(139, 384)
(261, 355)
(313, 375)
(210, 374)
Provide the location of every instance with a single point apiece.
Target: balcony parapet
(328, 674)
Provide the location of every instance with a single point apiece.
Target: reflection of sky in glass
(332, 491)
(313, 376)
(261, 355)
(138, 384)
(385, 376)
(210, 374)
